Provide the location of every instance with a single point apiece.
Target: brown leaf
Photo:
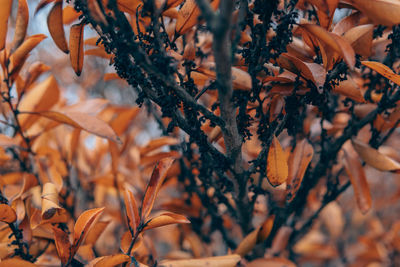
(7, 214)
(83, 225)
(129, 6)
(131, 210)
(374, 158)
(157, 143)
(5, 11)
(21, 24)
(83, 121)
(62, 244)
(95, 232)
(385, 12)
(166, 219)
(156, 180)
(298, 163)
(277, 168)
(358, 180)
(6, 141)
(383, 70)
(76, 47)
(311, 71)
(56, 26)
(112, 260)
(219, 261)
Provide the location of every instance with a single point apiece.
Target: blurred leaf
(16, 263)
(112, 260)
(5, 11)
(298, 162)
(355, 171)
(219, 261)
(271, 262)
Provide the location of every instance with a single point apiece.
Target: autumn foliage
(199, 133)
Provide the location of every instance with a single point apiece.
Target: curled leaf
(50, 203)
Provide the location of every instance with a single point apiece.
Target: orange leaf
(56, 27)
(374, 158)
(219, 261)
(7, 214)
(95, 232)
(383, 70)
(83, 225)
(5, 11)
(76, 47)
(271, 262)
(6, 141)
(349, 89)
(166, 219)
(385, 12)
(79, 120)
(131, 209)
(62, 244)
(157, 143)
(21, 24)
(16, 263)
(188, 15)
(156, 180)
(112, 260)
(277, 168)
(69, 15)
(358, 180)
(18, 57)
(298, 163)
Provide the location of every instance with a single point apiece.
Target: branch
(207, 13)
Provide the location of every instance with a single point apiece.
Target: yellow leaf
(277, 168)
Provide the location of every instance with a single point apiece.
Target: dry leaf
(62, 244)
(7, 214)
(21, 24)
(219, 261)
(156, 180)
(166, 219)
(383, 70)
(358, 180)
(374, 158)
(56, 26)
(50, 203)
(277, 168)
(112, 260)
(131, 210)
(16, 263)
(76, 47)
(385, 12)
(5, 11)
(83, 224)
(271, 262)
(298, 163)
